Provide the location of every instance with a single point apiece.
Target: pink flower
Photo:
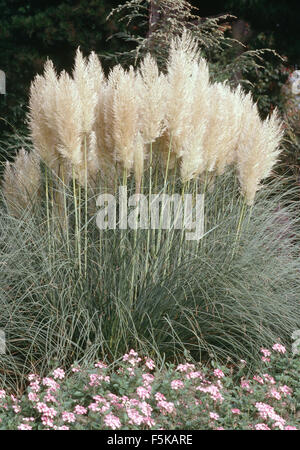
(268, 378)
(112, 421)
(32, 396)
(214, 416)
(49, 397)
(258, 379)
(261, 426)
(135, 417)
(68, 417)
(80, 410)
(289, 427)
(24, 426)
(148, 378)
(279, 348)
(94, 407)
(159, 396)
(63, 427)
(53, 386)
(285, 390)
(59, 374)
(142, 392)
(35, 386)
(131, 371)
(28, 419)
(41, 407)
(267, 411)
(45, 410)
(235, 411)
(165, 406)
(218, 373)
(150, 364)
(245, 384)
(133, 402)
(2, 394)
(16, 408)
(101, 365)
(145, 408)
(193, 375)
(95, 379)
(33, 377)
(113, 398)
(76, 369)
(213, 391)
(274, 394)
(264, 359)
(149, 421)
(279, 424)
(265, 352)
(264, 409)
(101, 400)
(185, 367)
(132, 358)
(47, 421)
(177, 384)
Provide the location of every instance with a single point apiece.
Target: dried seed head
(258, 148)
(151, 88)
(21, 182)
(125, 117)
(68, 121)
(192, 160)
(85, 85)
(182, 61)
(41, 116)
(232, 123)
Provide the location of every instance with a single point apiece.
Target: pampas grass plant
(70, 291)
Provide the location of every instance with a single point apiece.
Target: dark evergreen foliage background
(32, 31)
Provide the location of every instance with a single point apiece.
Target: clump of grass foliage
(71, 292)
(207, 301)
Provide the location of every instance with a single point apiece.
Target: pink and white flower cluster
(138, 396)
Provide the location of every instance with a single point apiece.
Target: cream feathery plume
(99, 125)
(216, 131)
(192, 161)
(181, 84)
(41, 111)
(97, 154)
(125, 123)
(258, 148)
(21, 182)
(232, 127)
(108, 102)
(68, 121)
(95, 73)
(85, 85)
(102, 132)
(49, 93)
(151, 88)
